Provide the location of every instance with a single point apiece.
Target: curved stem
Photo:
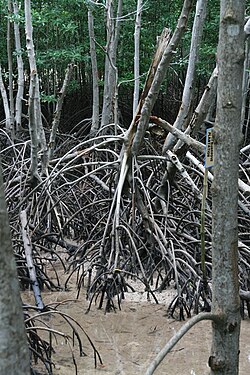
(173, 341)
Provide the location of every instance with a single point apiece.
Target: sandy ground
(129, 339)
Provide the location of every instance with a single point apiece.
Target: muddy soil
(129, 339)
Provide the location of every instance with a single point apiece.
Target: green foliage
(60, 29)
(48, 98)
(3, 27)
(156, 15)
(52, 57)
(210, 40)
(73, 86)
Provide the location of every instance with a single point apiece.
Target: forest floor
(129, 339)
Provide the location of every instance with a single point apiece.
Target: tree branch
(182, 331)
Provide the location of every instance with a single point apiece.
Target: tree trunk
(245, 92)
(14, 353)
(110, 77)
(10, 68)
(29, 259)
(159, 73)
(95, 105)
(33, 130)
(185, 111)
(20, 79)
(224, 357)
(5, 103)
(137, 55)
(58, 111)
(37, 125)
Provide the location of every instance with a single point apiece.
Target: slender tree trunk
(5, 102)
(185, 111)
(245, 90)
(10, 67)
(27, 244)
(20, 74)
(14, 353)
(224, 357)
(95, 105)
(58, 110)
(33, 130)
(137, 55)
(110, 75)
(38, 130)
(201, 113)
(107, 101)
(159, 75)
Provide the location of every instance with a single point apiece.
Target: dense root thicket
(41, 336)
(153, 234)
(36, 238)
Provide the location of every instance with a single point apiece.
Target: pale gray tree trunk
(224, 357)
(95, 87)
(35, 123)
(110, 74)
(14, 353)
(245, 90)
(58, 111)
(20, 73)
(159, 75)
(10, 68)
(137, 34)
(202, 111)
(5, 102)
(185, 110)
(33, 129)
(27, 244)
